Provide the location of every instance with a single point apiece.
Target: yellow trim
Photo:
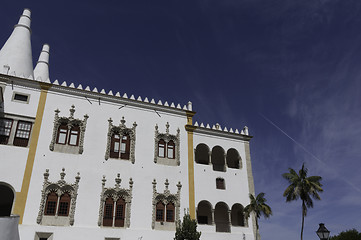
(190, 128)
(21, 197)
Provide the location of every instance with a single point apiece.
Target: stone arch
(204, 213)
(218, 159)
(233, 159)
(221, 217)
(237, 216)
(202, 154)
(7, 195)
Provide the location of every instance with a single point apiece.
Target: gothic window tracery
(115, 205)
(68, 133)
(121, 141)
(58, 201)
(167, 146)
(166, 207)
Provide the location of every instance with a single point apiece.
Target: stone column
(212, 217)
(229, 220)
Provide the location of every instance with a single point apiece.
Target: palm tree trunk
(257, 228)
(303, 218)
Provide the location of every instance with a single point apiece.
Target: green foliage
(352, 234)
(259, 207)
(302, 187)
(187, 230)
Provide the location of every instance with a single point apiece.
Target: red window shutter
(115, 146)
(74, 134)
(22, 134)
(125, 147)
(64, 205)
(62, 134)
(161, 148)
(160, 212)
(119, 213)
(5, 129)
(170, 212)
(171, 149)
(51, 203)
(108, 212)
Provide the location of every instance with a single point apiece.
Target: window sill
(55, 220)
(66, 148)
(165, 226)
(167, 161)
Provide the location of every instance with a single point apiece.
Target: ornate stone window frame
(165, 197)
(121, 130)
(167, 137)
(70, 122)
(60, 187)
(115, 193)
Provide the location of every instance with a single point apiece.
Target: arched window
(221, 217)
(237, 217)
(74, 136)
(161, 148)
(6, 200)
(108, 212)
(233, 158)
(218, 159)
(170, 212)
(160, 212)
(125, 147)
(51, 203)
(115, 146)
(170, 149)
(204, 213)
(119, 213)
(202, 154)
(62, 134)
(64, 204)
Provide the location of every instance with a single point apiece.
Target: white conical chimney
(41, 71)
(15, 55)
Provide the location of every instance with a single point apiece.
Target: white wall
(92, 166)
(236, 182)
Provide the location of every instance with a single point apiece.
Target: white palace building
(81, 163)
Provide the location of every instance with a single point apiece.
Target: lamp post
(322, 232)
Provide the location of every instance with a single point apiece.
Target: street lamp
(322, 232)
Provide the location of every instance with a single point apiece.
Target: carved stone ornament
(166, 197)
(115, 193)
(70, 122)
(121, 130)
(60, 187)
(167, 137)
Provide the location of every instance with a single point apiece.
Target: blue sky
(289, 70)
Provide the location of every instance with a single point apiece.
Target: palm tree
(258, 207)
(302, 187)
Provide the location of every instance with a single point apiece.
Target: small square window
(43, 236)
(220, 183)
(21, 97)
